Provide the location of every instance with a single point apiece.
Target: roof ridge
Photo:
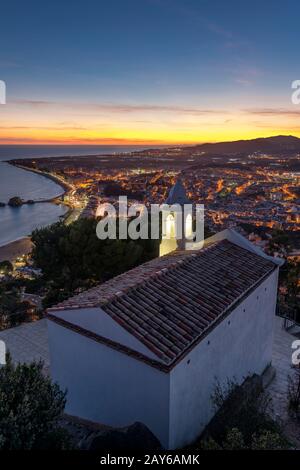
(161, 272)
(175, 263)
(136, 277)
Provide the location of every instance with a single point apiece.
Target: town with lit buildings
(256, 190)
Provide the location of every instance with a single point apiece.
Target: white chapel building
(149, 344)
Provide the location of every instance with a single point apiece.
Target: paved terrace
(28, 342)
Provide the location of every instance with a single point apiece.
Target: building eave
(163, 367)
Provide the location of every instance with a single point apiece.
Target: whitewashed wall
(240, 345)
(107, 386)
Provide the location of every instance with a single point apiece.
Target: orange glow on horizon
(57, 123)
(159, 138)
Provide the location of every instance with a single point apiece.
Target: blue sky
(217, 56)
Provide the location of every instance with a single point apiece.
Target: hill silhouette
(276, 144)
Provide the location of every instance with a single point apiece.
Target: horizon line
(128, 143)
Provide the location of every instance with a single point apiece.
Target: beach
(12, 250)
(19, 222)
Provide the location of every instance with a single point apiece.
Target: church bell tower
(176, 223)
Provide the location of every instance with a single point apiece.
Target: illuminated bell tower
(170, 219)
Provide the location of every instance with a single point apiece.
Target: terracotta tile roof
(102, 293)
(172, 302)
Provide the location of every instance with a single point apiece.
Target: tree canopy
(72, 257)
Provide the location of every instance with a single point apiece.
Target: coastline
(67, 217)
(65, 186)
(13, 250)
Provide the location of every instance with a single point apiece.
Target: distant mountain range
(277, 144)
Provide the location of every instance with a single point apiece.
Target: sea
(16, 223)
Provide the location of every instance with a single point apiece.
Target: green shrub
(30, 408)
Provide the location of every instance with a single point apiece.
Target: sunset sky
(148, 71)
